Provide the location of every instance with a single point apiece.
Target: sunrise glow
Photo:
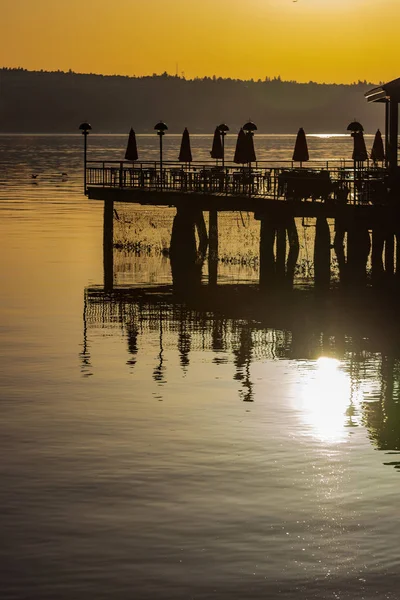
(320, 40)
(325, 397)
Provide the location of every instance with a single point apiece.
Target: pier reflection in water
(345, 351)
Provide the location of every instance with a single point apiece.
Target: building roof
(385, 92)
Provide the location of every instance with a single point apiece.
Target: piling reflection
(382, 413)
(84, 355)
(348, 362)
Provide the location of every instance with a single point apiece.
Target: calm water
(154, 448)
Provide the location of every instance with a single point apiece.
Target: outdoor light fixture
(85, 128)
(223, 128)
(249, 127)
(355, 127)
(161, 128)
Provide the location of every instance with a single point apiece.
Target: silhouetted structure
(131, 153)
(185, 153)
(378, 152)
(300, 153)
(216, 150)
(51, 102)
(389, 94)
(359, 199)
(240, 156)
(85, 128)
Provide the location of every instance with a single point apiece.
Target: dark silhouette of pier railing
(338, 181)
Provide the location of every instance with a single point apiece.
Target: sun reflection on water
(329, 400)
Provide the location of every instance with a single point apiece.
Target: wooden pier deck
(362, 199)
(232, 187)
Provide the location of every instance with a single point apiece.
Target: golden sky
(321, 40)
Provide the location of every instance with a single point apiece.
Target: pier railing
(334, 180)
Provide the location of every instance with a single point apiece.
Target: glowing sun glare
(325, 397)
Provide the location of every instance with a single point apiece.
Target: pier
(364, 209)
(360, 196)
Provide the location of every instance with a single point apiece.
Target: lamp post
(223, 129)
(85, 128)
(359, 153)
(161, 128)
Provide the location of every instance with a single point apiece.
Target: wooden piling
(338, 246)
(267, 258)
(393, 134)
(322, 254)
(183, 239)
(185, 266)
(294, 249)
(358, 248)
(397, 256)
(281, 252)
(202, 233)
(212, 247)
(108, 245)
(378, 240)
(389, 254)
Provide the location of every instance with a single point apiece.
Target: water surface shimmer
(158, 448)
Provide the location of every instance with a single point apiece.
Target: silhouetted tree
(39, 101)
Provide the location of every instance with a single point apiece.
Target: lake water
(154, 448)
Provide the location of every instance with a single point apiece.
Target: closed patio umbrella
(241, 148)
(131, 149)
(378, 152)
(217, 150)
(300, 153)
(359, 151)
(185, 154)
(250, 152)
(250, 128)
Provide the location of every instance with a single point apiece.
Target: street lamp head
(355, 127)
(85, 128)
(161, 128)
(223, 128)
(249, 127)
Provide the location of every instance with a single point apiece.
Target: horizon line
(214, 77)
(171, 134)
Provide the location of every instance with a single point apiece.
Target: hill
(56, 102)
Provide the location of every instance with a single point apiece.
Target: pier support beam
(294, 249)
(378, 240)
(389, 254)
(281, 253)
(213, 247)
(338, 245)
(185, 263)
(202, 233)
(358, 249)
(108, 245)
(322, 254)
(278, 267)
(393, 134)
(267, 258)
(397, 256)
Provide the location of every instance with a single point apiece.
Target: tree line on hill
(56, 102)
